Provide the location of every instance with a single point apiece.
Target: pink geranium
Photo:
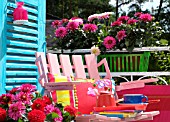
(132, 21)
(61, 32)
(72, 26)
(121, 35)
(109, 42)
(16, 110)
(116, 23)
(145, 17)
(90, 27)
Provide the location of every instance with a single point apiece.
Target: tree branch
(123, 3)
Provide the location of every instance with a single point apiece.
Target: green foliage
(79, 8)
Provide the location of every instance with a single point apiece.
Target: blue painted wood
(22, 29)
(21, 51)
(22, 44)
(19, 43)
(13, 35)
(21, 73)
(21, 80)
(21, 66)
(3, 4)
(41, 28)
(19, 58)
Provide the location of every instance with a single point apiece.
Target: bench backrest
(63, 65)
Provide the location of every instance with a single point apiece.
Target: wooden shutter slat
(20, 58)
(21, 80)
(32, 38)
(22, 44)
(21, 51)
(22, 29)
(19, 65)
(21, 73)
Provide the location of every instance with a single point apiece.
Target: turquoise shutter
(18, 44)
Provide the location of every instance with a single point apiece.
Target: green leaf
(20, 120)
(54, 115)
(164, 41)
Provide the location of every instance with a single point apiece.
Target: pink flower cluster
(72, 25)
(25, 101)
(109, 41)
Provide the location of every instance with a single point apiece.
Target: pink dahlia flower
(76, 19)
(61, 32)
(27, 88)
(137, 14)
(121, 34)
(16, 110)
(90, 27)
(116, 23)
(56, 23)
(50, 108)
(132, 21)
(92, 17)
(123, 18)
(6, 99)
(23, 97)
(64, 20)
(72, 26)
(145, 17)
(109, 42)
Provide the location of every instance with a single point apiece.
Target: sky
(147, 5)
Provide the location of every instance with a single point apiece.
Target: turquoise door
(18, 44)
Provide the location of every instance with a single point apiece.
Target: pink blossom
(145, 17)
(48, 109)
(116, 23)
(16, 110)
(123, 18)
(91, 17)
(132, 21)
(109, 42)
(90, 27)
(27, 88)
(121, 34)
(56, 23)
(137, 14)
(76, 19)
(23, 97)
(64, 20)
(103, 16)
(72, 26)
(61, 32)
